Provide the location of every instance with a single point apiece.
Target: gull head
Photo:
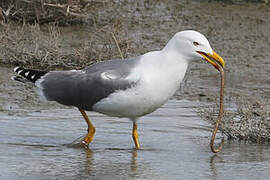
(193, 46)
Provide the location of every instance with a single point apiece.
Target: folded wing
(83, 88)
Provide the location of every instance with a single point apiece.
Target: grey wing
(84, 88)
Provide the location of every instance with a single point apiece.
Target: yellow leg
(135, 135)
(91, 129)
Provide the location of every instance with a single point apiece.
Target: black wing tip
(28, 74)
(17, 69)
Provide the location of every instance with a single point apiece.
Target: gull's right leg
(91, 129)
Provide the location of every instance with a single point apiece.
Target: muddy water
(38, 140)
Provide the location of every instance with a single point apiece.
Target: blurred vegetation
(244, 1)
(44, 47)
(46, 11)
(35, 46)
(61, 11)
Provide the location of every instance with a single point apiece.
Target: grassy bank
(46, 46)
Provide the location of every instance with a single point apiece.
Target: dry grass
(47, 11)
(27, 45)
(45, 47)
(245, 1)
(248, 119)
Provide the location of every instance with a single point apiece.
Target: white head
(193, 46)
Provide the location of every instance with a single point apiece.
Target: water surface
(37, 143)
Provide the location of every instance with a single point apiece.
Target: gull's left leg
(135, 135)
(91, 129)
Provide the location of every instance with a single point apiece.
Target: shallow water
(37, 143)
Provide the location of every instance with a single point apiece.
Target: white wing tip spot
(15, 69)
(19, 72)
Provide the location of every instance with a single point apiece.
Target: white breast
(159, 79)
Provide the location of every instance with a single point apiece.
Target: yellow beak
(213, 59)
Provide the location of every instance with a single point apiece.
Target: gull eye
(195, 43)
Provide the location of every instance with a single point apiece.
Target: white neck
(162, 74)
